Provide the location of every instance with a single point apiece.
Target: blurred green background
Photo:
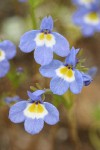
(15, 19)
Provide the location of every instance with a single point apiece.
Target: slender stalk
(93, 135)
(72, 123)
(32, 13)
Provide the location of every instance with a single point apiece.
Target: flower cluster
(34, 112)
(7, 51)
(87, 16)
(65, 75)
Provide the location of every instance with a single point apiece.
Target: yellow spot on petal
(49, 37)
(36, 108)
(0, 53)
(40, 108)
(32, 108)
(93, 16)
(87, 1)
(41, 36)
(67, 72)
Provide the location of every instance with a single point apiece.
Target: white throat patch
(35, 111)
(2, 55)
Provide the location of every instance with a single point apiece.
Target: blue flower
(86, 3)
(22, 1)
(88, 77)
(64, 75)
(34, 112)
(19, 70)
(7, 51)
(88, 19)
(92, 71)
(10, 100)
(45, 42)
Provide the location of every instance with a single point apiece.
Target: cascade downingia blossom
(88, 76)
(87, 79)
(7, 51)
(88, 19)
(34, 112)
(10, 100)
(86, 3)
(64, 75)
(22, 1)
(45, 42)
(92, 71)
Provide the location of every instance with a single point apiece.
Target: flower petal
(53, 115)
(31, 96)
(59, 86)
(9, 48)
(61, 47)
(9, 100)
(33, 126)
(27, 43)
(92, 71)
(78, 16)
(38, 92)
(35, 95)
(77, 84)
(16, 112)
(71, 58)
(49, 70)
(4, 68)
(88, 30)
(47, 23)
(86, 79)
(43, 55)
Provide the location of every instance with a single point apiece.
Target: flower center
(49, 37)
(36, 108)
(92, 18)
(2, 55)
(66, 73)
(86, 1)
(45, 38)
(41, 36)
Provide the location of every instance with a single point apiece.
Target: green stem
(72, 122)
(94, 137)
(32, 12)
